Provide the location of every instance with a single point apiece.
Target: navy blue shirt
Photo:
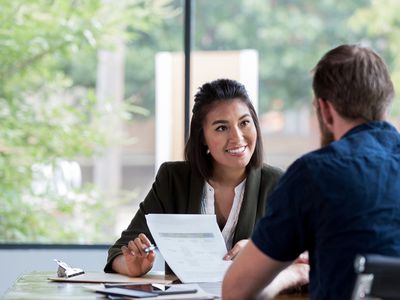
(336, 202)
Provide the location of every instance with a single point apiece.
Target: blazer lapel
(247, 215)
(195, 193)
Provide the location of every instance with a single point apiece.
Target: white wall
(16, 262)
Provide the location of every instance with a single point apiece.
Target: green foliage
(289, 35)
(140, 56)
(379, 22)
(48, 53)
(44, 116)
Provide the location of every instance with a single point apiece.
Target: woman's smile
(230, 135)
(237, 151)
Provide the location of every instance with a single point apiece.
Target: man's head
(356, 82)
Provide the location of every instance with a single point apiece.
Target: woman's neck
(228, 177)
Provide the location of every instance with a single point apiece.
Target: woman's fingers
(144, 239)
(137, 261)
(151, 257)
(231, 253)
(126, 252)
(137, 246)
(235, 250)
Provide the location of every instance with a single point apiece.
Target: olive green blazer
(178, 189)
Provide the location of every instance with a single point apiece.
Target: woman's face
(230, 134)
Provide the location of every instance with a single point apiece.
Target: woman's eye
(220, 128)
(245, 123)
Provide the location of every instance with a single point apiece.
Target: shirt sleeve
(284, 232)
(155, 202)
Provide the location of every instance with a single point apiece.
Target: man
(340, 200)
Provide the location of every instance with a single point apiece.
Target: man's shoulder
(372, 138)
(315, 163)
(319, 154)
(366, 140)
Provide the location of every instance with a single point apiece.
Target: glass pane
(92, 96)
(77, 145)
(288, 37)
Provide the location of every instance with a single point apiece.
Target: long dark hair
(207, 96)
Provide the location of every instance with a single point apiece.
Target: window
(289, 38)
(78, 101)
(86, 86)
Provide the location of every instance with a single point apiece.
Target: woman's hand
(137, 262)
(235, 250)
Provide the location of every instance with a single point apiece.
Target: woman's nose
(235, 134)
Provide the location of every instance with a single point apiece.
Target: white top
(208, 208)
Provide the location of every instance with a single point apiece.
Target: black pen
(150, 248)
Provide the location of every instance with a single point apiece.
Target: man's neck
(342, 126)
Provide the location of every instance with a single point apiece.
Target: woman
(223, 174)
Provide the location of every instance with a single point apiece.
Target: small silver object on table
(64, 270)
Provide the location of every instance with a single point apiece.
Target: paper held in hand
(192, 245)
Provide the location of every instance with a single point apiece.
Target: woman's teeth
(236, 150)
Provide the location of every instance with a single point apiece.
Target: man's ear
(326, 110)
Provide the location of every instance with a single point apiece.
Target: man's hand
(249, 273)
(303, 258)
(294, 276)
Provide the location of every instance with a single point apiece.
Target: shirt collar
(368, 126)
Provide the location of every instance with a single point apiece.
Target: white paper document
(192, 245)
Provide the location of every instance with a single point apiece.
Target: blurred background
(92, 97)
